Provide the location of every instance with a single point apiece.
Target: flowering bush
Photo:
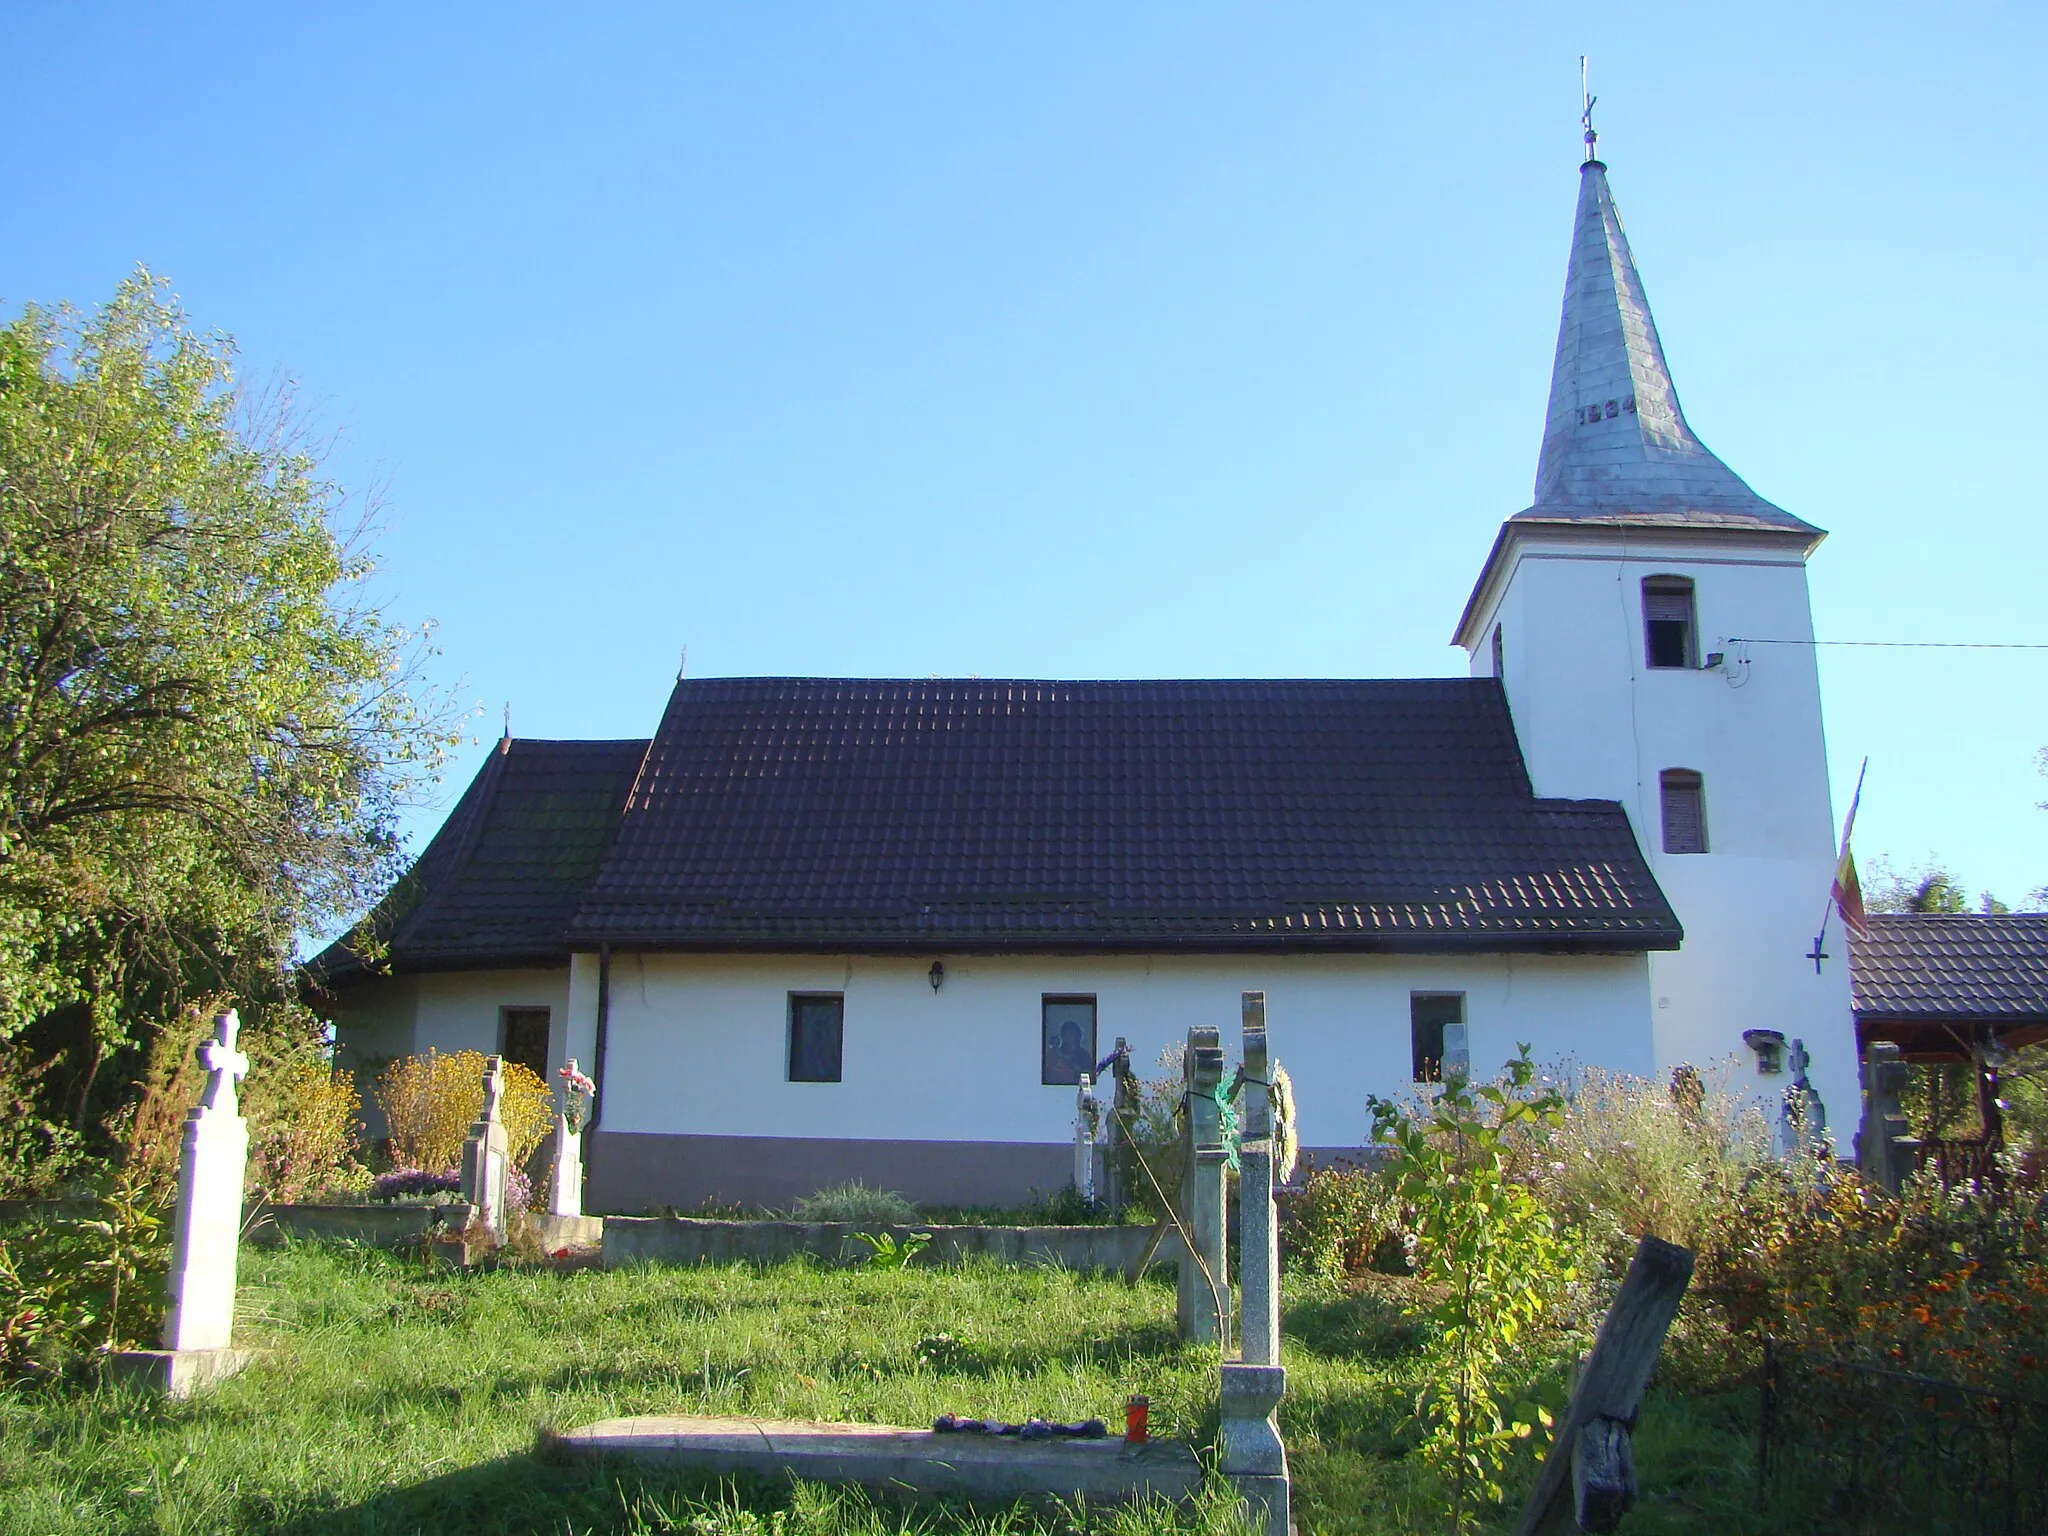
(414, 1184)
(302, 1132)
(430, 1102)
(1951, 1283)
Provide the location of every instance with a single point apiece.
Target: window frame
(1672, 781)
(1047, 1001)
(1419, 1062)
(526, 1013)
(1689, 650)
(796, 1019)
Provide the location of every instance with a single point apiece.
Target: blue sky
(1089, 341)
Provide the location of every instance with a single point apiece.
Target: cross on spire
(224, 1064)
(1586, 104)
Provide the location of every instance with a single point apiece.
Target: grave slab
(885, 1457)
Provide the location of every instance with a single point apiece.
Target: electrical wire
(1908, 645)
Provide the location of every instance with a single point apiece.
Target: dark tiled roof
(503, 875)
(1965, 968)
(774, 813)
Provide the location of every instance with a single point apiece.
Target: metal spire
(1616, 446)
(1586, 104)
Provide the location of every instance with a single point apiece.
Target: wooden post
(1589, 1475)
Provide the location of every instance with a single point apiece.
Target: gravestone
(1457, 1062)
(1087, 1118)
(565, 1186)
(1119, 1162)
(1252, 1455)
(1884, 1154)
(1802, 1118)
(487, 1154)
(198, 1331)
(1202, 1302)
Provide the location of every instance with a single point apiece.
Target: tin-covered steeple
(1616, 447)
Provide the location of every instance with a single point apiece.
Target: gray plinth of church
(1250, 1451)
(206, 1235)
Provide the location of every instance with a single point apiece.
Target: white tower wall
(1596, 722)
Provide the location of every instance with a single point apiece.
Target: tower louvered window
(1669, 630)
(1685, 811)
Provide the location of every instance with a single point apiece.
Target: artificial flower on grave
(580, 1092)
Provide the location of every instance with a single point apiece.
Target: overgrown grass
(395, 1398)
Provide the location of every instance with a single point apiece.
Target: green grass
(395, 1399)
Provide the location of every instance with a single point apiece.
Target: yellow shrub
(302, 1130)
(430, 1102)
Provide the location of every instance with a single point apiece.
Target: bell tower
(1615, 612)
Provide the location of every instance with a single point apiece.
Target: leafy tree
(206, 731)
(1494, 1260)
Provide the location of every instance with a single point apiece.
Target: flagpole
(1834, 888)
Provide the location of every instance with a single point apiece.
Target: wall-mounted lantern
(937, 974)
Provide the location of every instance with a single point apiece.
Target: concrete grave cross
(225, 1066)
(494, 1087)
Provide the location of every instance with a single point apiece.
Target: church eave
(1649, 532)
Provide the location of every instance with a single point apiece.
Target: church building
(817, 929)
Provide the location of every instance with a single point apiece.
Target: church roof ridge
(1617, 448)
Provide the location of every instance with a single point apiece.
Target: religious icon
(1067, 1046)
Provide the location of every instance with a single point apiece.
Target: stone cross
(487, 1154)
(207, 1231)
(1802, 1118)
(1087, 1116)
(1203, 1302)
(565, 1186)
(1252, 1455)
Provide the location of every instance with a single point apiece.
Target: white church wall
(697, 1045)
(1594, 721)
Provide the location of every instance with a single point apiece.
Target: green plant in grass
(884, 1252)
(1494, 1258)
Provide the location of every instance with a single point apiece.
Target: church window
(523, 1038)
(817, 1033)
(1668, 624)
(1066, 1039)
(1685, 811)
(1499, 653)
(1428, 1013)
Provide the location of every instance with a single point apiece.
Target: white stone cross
(224, 1064)
(494, 1086)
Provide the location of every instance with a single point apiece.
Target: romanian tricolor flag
(1848, 892)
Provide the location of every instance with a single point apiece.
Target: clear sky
(1089, 341)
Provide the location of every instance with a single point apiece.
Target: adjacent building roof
(500, 880)
(780, 813)
(1951, 970)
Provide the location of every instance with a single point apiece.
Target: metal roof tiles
(1961, 968)
(857, 813)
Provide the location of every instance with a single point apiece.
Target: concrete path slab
(887, 1457)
